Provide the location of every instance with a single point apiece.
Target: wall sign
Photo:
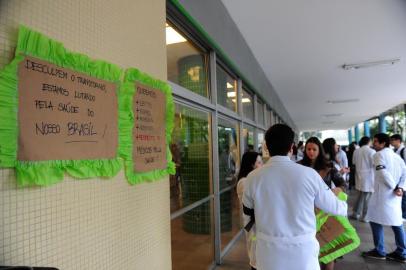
(64, 115)
(149, 108)
(58, 113)
(146, 123)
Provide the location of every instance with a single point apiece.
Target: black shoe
(394, 256)
(373, 254)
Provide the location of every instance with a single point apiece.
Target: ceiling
(302, 46)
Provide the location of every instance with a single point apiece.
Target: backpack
(402, 153)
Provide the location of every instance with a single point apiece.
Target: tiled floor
(237, 258)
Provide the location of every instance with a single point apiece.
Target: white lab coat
(283, 195)
(250, 236)
(364, 168)
(384, 206)
(342, 158)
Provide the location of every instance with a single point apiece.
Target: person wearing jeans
(377, 232)
(385, 204)
(364, 177)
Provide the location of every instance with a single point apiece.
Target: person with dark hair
(250, 161)
(364, 177)
(351, 149)
(385, 203)
(300, 150)
(280, 198)
(331, 149)
(315, 158)
(396, 142)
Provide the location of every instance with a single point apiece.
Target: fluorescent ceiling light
(172, 36)
(338, 101)
(244, 100)
(371, 64)
(231, 94)
(230, 86)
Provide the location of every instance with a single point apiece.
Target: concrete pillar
(356, 131)
(367, 131)
(382, 123)
(349, 136)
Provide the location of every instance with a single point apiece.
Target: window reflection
(260, 110)
(229, 161)
(226, 89)
(248, 138)
(247, 105)
(186, 64)
(192, 239)
(191, 154)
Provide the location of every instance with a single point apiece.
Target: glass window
(260, 139)
(229, 161)
(248, 137)
(192, 239)
(190, 149)
(230, 216)
(247, 105)
(260, 110)
(269, 117)
(187, 65)
(226, 89)
(229, 164)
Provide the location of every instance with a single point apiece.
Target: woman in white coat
(364, 177)
(385, 203)
(283, 194)
(249, 162)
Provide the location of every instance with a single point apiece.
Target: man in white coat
(385, 203)
(280, 198)
(364, 177)
(399, 148)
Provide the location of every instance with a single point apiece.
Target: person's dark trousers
(404, 205)
(377, 233)
(252, 268)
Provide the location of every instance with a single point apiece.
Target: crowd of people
(280, 198)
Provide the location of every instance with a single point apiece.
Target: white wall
(95, 223)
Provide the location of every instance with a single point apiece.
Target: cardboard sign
(342, 245)
(149, 143)
(64, 114)
(329, 231)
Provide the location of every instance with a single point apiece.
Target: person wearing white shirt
(396, 142)
(280, 199)
(249, 162)
(363, 161)
(342, 158)
(385, 204)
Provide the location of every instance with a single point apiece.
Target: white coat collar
(280, 159)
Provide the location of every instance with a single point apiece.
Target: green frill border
(349, 234)
(44, 173)
(126, 124)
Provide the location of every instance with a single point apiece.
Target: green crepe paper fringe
(44, 173)
(349, 234)
(126, 123)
